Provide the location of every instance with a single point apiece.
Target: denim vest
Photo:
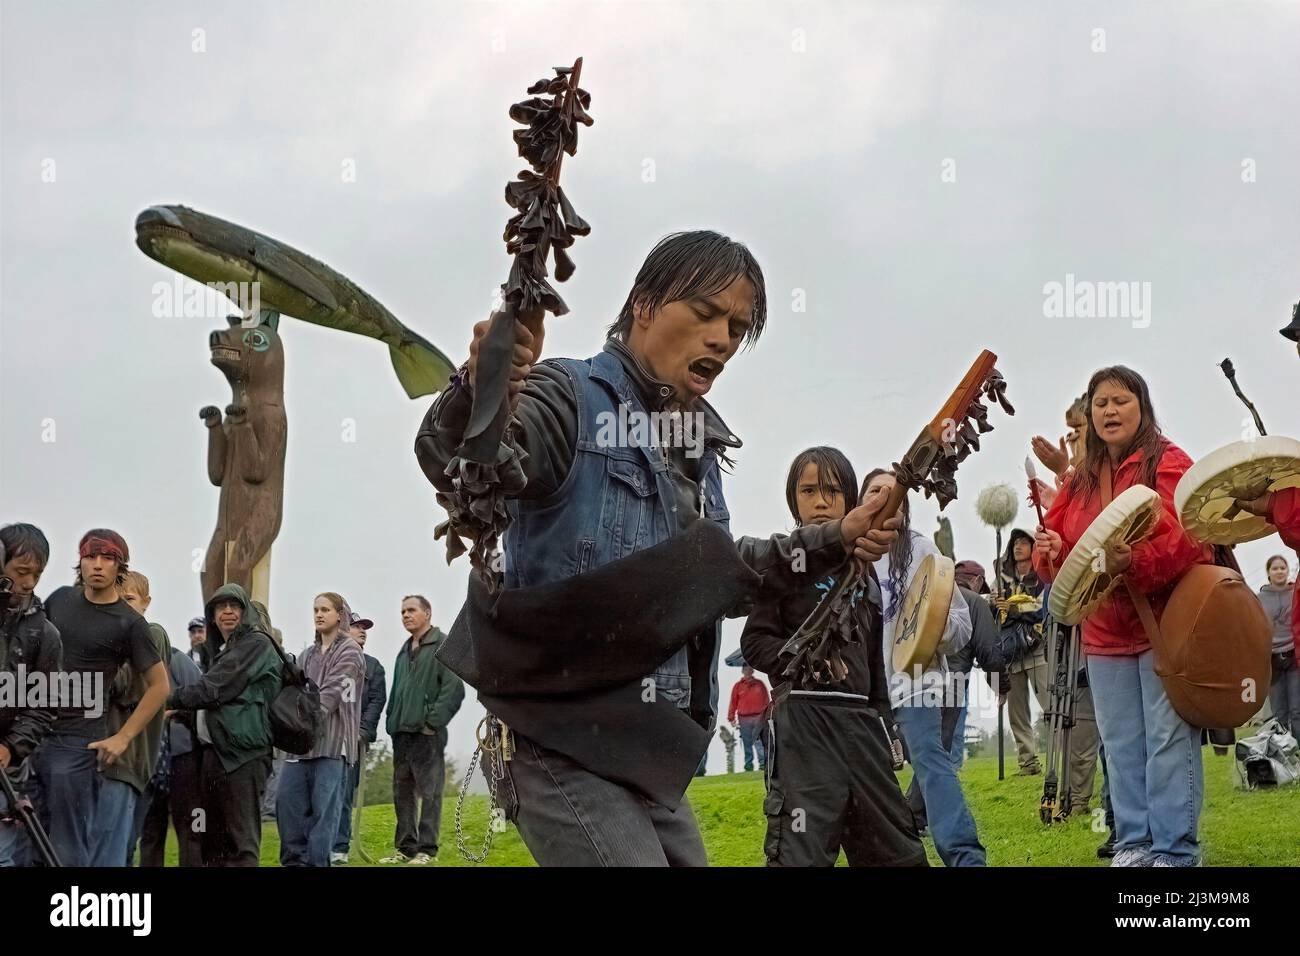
(614, 501)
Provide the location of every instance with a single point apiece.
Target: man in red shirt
(749, 698)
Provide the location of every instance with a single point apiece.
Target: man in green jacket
(425, 696)
(233, 726)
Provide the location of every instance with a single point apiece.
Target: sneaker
(338, 859)
(397, 857)
(1169, 859)
(420, 859)
(1134, 856)
(1107, 849)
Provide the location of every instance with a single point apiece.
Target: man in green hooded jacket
(233, 726)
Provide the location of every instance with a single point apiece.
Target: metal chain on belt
(496, 747)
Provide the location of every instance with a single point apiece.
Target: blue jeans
(957, 747)
(66, 793)
(343, 840)
(1153, 757)
(307, 810)
(110, 839)
(1284, 697)
(13, 839)
(950, 820)
(751, 738)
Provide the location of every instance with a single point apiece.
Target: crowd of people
(595, 651)
(586, 513)
(114, 734)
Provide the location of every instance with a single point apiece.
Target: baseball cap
(196, 622)
(362, 622)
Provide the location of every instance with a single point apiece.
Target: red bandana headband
(116, 550)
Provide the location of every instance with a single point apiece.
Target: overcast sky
(911, 176)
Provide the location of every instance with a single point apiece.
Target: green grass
(1237, 828)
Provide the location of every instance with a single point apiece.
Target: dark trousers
(232, 810)
(67, 794)
(307, 809)
(831, 785)
(343, 839)
(568, 816)
(417, 788)
(178, 806)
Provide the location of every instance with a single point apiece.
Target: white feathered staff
(997, 506)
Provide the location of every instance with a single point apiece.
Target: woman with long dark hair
(831, 783)
(918, 698)
(1153, 756)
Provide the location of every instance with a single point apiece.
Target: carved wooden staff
(544, 225)
(930, 465)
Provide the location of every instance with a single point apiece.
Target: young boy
(831, 780)
(119, 813)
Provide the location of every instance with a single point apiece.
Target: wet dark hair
(900, 552)
(1148, 437)
(833, 468)
(122, 566)
(20, 540)
(688, 264)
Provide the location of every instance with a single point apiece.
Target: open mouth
(221, 353)
(703, 371)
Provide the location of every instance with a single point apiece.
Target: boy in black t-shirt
(100, 633)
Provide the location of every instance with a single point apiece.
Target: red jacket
(1286, 515)
(1158, 560)
(748, 699)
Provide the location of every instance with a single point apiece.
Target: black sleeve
(764, 636)
(33, 723)
(142, 648)
(225, 679)
(878, 695)
(785, 561)
(985, 636)
(545, 427)
(376, 694)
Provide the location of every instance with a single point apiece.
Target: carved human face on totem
(687, 343)
(1116, 414)
(817, 505)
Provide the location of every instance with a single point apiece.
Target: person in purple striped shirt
(311, 787)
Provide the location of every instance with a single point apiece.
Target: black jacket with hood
(28, 638)
(237, 690)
